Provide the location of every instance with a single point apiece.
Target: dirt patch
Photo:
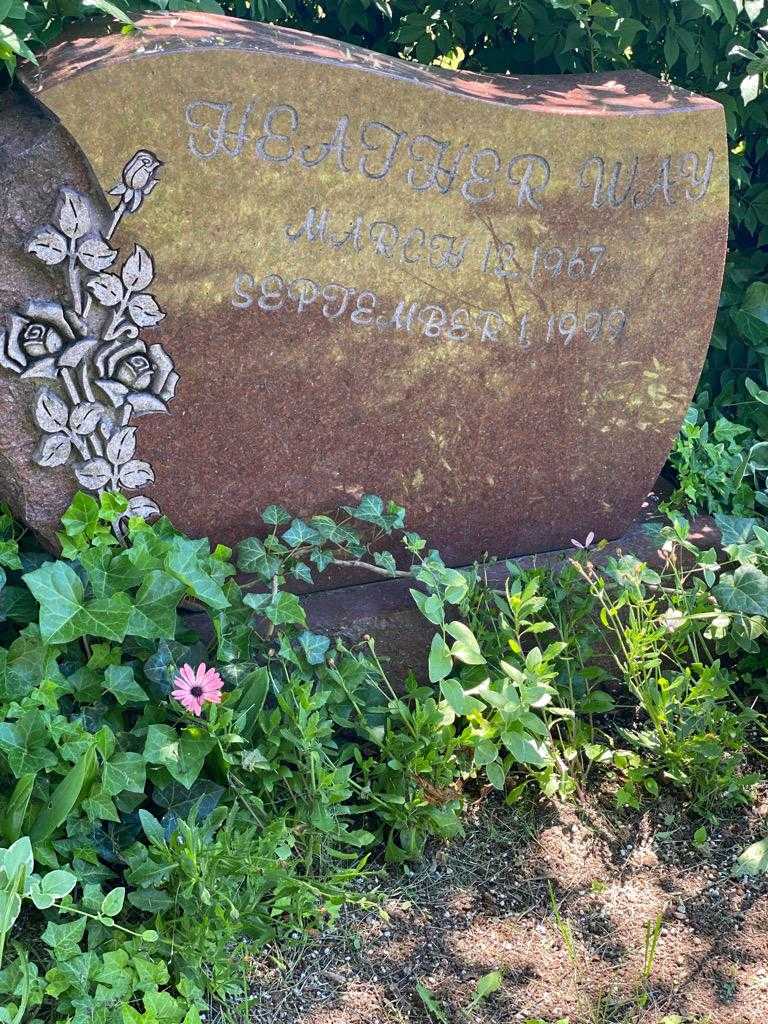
(560, 902)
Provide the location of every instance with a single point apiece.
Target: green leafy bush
(712, 467)
(149, 844)
(241, 824)
(637, 676)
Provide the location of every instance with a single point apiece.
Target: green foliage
(712, 467)
(147, 846)
(637, 677)
(208, 832)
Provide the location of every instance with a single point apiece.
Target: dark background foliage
(715, 47)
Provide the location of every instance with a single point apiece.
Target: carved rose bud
(131, 371)
(43, 338)
(139, 178)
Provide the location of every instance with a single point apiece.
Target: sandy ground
(484, 903)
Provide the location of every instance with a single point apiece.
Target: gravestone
(269, 267)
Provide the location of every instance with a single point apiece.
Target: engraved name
(379, 151)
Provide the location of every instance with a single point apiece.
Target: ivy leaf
(370, 510)
(745, 591)
(386, 560)
(153, 615)
(114, 977)
(151, 901)
(26, 662)
(755, 304)
(298, 534)
(734, 529)
(285, 609)
(275, 515)
(120, 682)
(183, 561)
(99, 806)
(106, 617)
(315, 646)
(301, 571)
(64, 939)
(59, 592)
(182, 754)
(252, 557)
(81, 516)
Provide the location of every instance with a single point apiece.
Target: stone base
(386, 611)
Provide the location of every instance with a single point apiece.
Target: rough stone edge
(167, 33)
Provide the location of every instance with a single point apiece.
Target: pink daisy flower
(193, 689)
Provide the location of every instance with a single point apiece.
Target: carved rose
(43, 338)
(131, 371)
(139, 178)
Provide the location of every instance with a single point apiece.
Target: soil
(487, 903)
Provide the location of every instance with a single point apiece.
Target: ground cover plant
(172, 801)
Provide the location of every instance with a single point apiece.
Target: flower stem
(117, 217)
(74, 281)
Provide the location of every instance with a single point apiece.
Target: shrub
(150, 838)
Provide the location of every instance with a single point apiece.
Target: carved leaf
(121, 446)
(107, 426)
(51, 412)
(138, 270)
(142, 506)
(74, 213)
(85, 417)
(144, 311)
(94, 474)
(136, 474)
(48, 244)
(95, 254)
(106, 289)
(53, 450)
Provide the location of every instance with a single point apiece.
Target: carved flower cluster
(92, 348)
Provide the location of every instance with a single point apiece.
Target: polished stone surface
(486, 297)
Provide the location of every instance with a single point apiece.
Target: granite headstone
(244, 265)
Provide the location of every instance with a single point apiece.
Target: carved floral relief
(100, 373)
